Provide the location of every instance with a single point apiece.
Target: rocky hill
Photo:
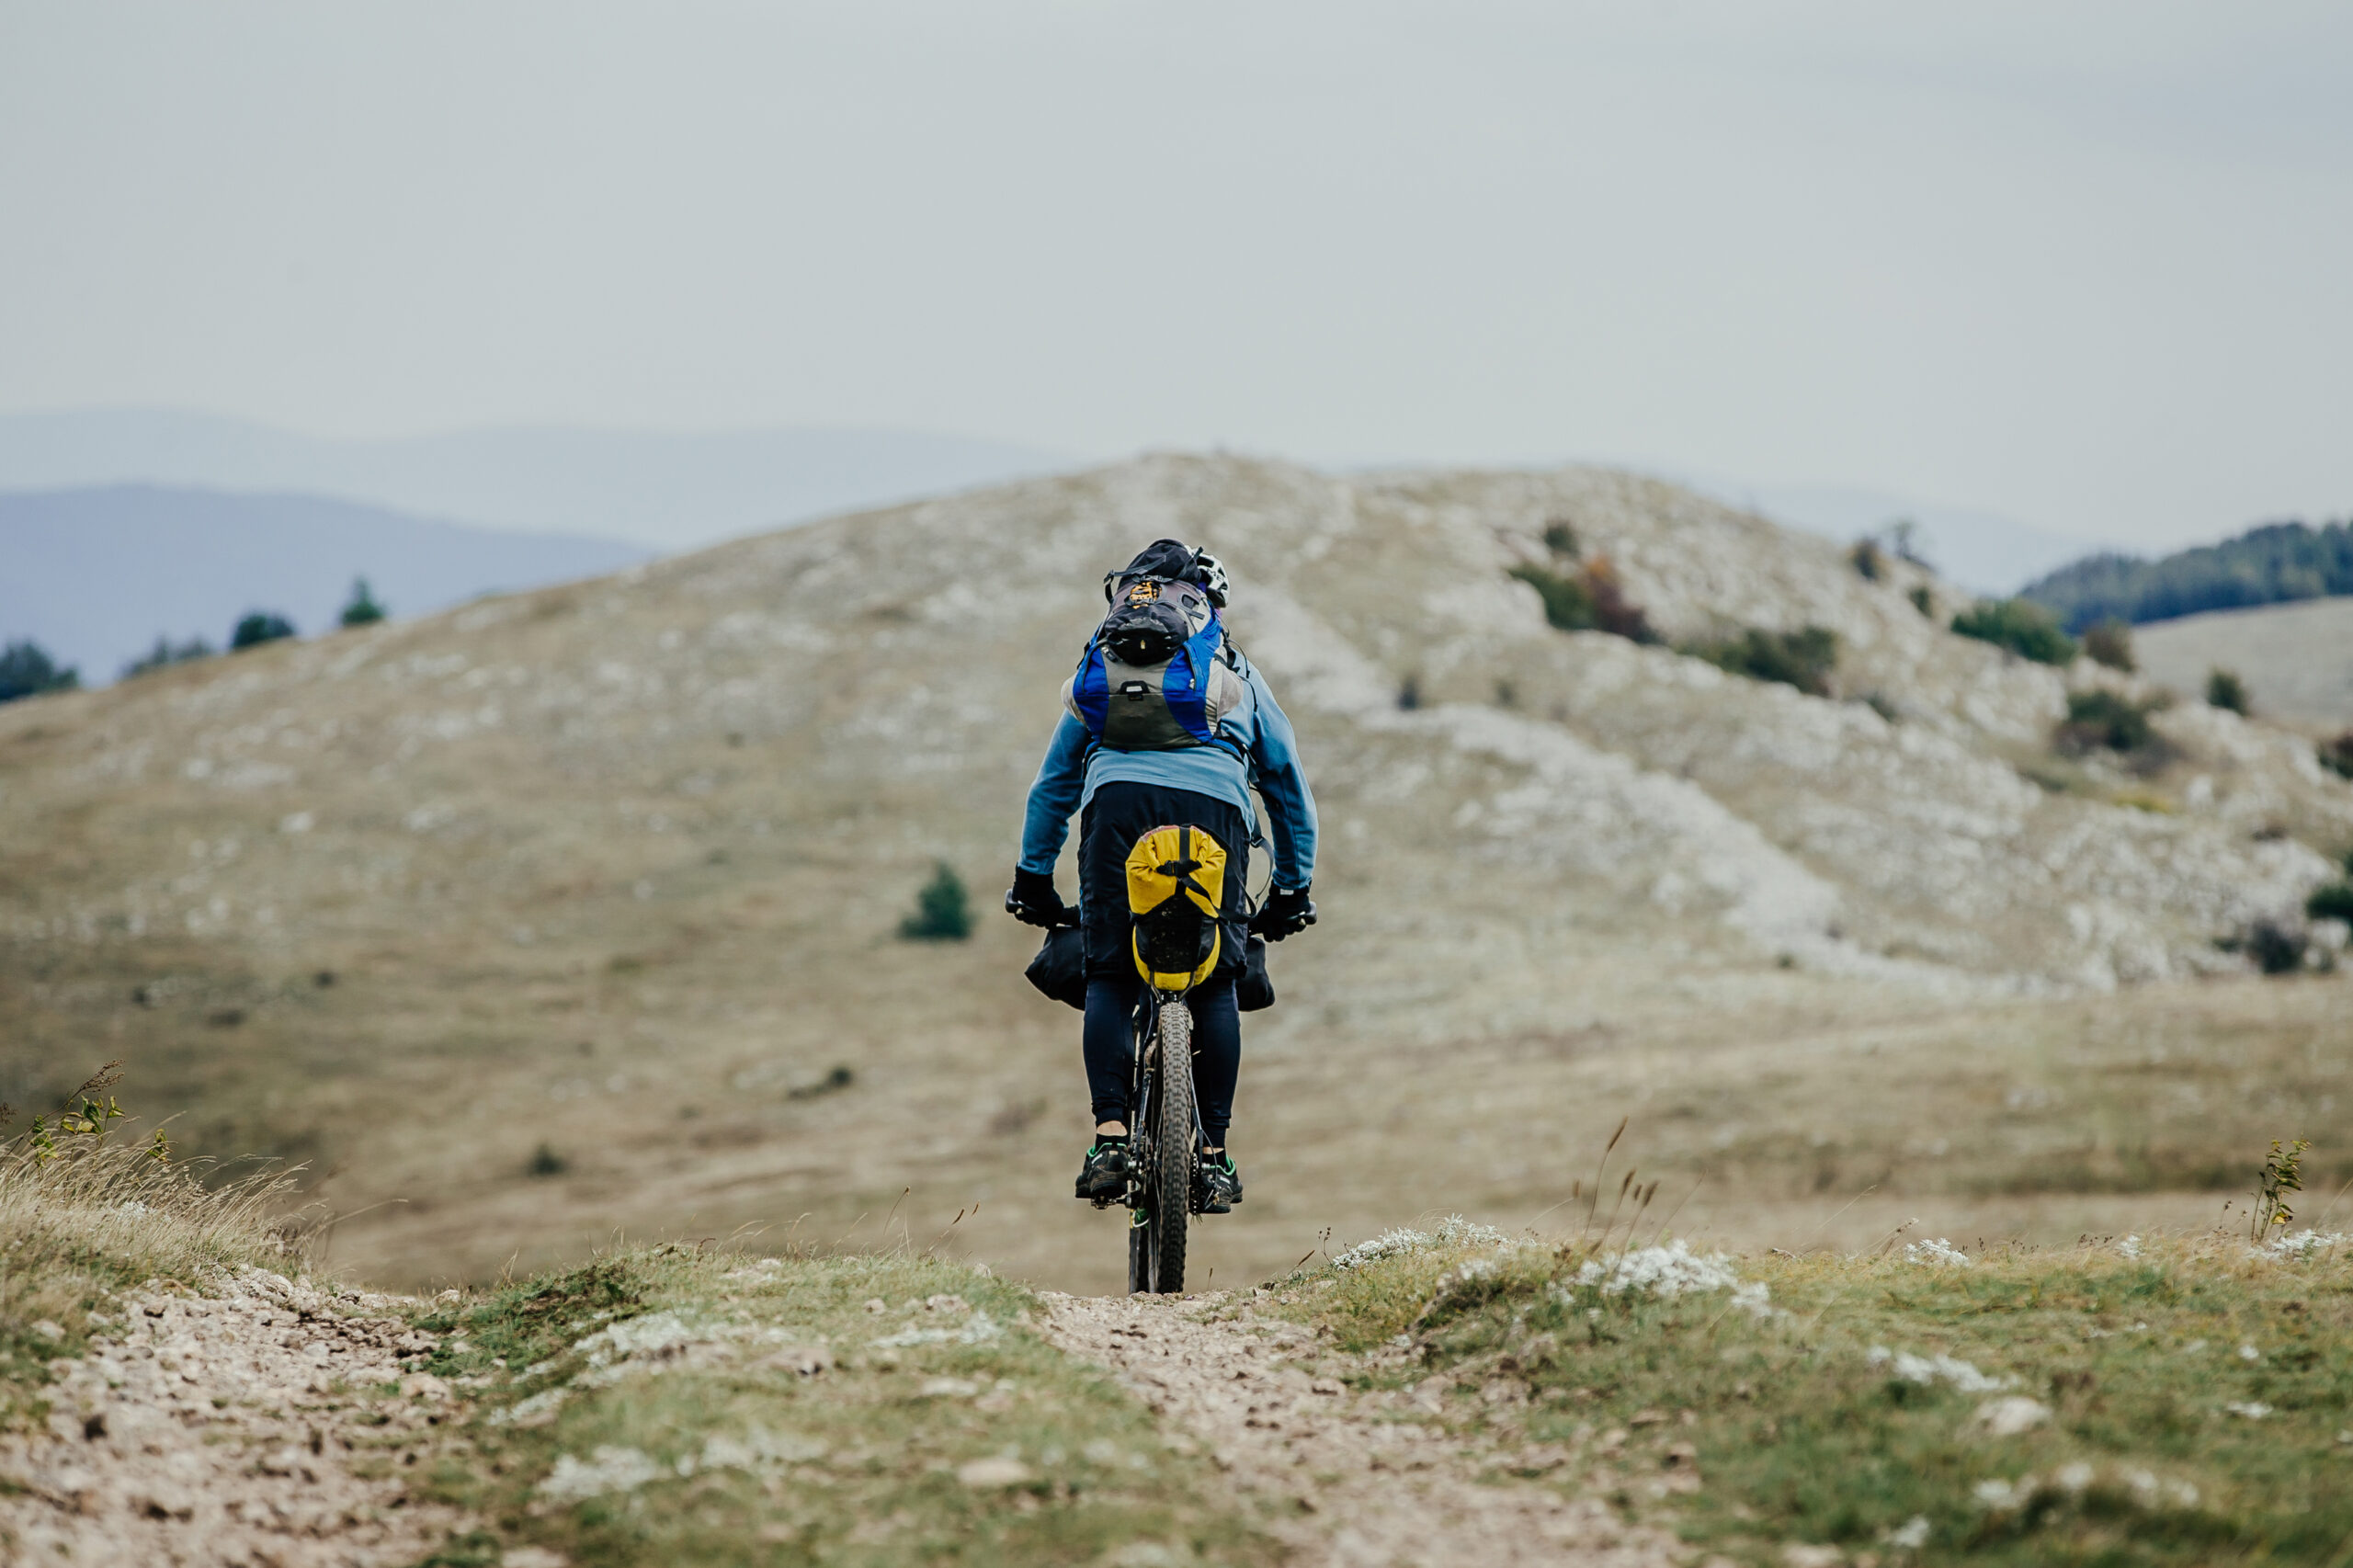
(612, 870)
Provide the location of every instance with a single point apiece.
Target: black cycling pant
(1111, 1048)
(1117, 815)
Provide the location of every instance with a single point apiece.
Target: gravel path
(244, 1427)
(1351, 1482)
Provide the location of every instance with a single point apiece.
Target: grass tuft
(2127, 1402)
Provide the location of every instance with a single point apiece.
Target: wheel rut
(1347, 1481)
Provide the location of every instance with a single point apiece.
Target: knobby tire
(1172, 1153)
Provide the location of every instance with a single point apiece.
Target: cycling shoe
(1221, 1184)
(1104, 1177)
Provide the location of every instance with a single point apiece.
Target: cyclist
(1120, 795)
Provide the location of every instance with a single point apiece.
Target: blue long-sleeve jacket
(1068, 779)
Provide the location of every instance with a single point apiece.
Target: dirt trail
(244, 1427)
(1353, 1482)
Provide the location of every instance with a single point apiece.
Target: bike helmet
(1210, 572)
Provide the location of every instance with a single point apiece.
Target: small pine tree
(26, 670)
(2224, 689)
(362, 608)
(259, 627)
(943, 912)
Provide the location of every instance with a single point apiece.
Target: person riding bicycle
(1122, 794)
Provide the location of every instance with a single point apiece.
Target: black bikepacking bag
(1060, 968)
(1059, 971)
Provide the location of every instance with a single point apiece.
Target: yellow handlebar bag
(1176, 886)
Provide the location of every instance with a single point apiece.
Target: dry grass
(87, 1214)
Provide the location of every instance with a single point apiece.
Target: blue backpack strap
(1090, 690)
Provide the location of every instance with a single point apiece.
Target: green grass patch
(2189, 1405)
(683, 1407)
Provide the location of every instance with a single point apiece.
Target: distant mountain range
(2276, 563)
(666, 491)
(96, 575)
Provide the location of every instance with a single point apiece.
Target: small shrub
(546, 1162)
(259, 627)
(2224, 689)
(2101, 718)
(1869, 564)
(26, 670)
(2110, 643)
(167, 652)
(2336, 756)
(361, 609)
(1590, 600)
(836, 1080)
(2021, 626)
(1801, 659)
(2276, 949)
(1567, 605)
(2332, 900)
(943, 911)
(1923, 601)
(1560, 538)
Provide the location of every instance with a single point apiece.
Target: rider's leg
(1109, 1043)
(1217, 1060)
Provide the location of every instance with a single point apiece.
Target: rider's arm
(1282, 783)
(1054, 796)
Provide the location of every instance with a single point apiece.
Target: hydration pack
(1157, 674)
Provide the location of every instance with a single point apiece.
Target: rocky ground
(1349, 1480)
(270, 1425)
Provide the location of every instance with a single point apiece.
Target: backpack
(1157, 674)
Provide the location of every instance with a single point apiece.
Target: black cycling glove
(1286, 912)
(1033, 900)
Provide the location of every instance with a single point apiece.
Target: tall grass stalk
(83, 1217)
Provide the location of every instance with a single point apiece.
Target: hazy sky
(2085, 264)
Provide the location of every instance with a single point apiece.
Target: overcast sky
(2082, 264)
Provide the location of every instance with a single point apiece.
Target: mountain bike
(1176, 875)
